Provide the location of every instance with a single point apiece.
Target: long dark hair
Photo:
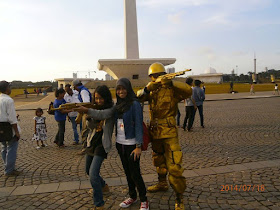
(123, 104)
(105, 93)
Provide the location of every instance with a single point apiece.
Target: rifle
(171, 75)
(70, 106)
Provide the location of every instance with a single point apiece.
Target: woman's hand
(137, 153)
(81, 109)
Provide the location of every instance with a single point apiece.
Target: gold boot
(160, 186)
(179, 203)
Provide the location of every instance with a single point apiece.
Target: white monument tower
(131, 32)
(131, 67)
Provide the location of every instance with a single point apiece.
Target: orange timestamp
(243, 187)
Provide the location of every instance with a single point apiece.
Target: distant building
(61, 82)
(170, 70)
(108, 77)
(210, 76)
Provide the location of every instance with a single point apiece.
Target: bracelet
(138, 145)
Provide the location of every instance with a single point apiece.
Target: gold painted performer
(163, 95)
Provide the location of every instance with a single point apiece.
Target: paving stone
(253, 165)
(63, 186)
(42, 188)
(150, 178)
(6, 191)
(113, 181)
(85, 185)
(24, 190)
(204, 171)
(235, 135)
(238, 167)
(190, 173)
(221, 169)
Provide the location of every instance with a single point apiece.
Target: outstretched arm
(97, 114)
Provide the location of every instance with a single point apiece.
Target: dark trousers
(189, 118)
(59, 138)
(178, 117)
(132, 171)
(200, 110)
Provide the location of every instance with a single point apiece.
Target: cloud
(207, 52)
(239, 53)
(167, 3)
(175, 18)
(236, 4)
(217, 19)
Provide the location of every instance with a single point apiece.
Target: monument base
(131, 68)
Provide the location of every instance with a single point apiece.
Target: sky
(41, 40)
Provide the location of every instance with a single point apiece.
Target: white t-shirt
(85, 96)
(7, 111)
(121, 134)
(72, 99)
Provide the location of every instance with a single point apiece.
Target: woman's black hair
(39, 110)
(59, 91)
(105, 93)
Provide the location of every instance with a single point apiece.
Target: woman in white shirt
(129, 138)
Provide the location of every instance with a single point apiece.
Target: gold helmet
(156, 68)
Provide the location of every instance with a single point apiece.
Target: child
(40, 128)
(129, 137)
(60, 117)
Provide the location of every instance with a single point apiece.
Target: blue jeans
(9, 155)
(200, 110)
(74, 127)
(93, 165)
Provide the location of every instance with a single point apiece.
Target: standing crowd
(125, 118)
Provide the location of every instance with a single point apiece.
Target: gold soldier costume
(163, 96)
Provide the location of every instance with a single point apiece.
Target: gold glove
(152, 86)
(166, 81)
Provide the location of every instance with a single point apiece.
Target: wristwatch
(138, 145)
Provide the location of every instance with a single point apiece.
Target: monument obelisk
(131, 67)
(131, 31)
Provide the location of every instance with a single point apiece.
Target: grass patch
(19, 91)
(239, 87)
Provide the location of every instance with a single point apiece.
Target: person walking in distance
(163, 95)
(276, 90)
(84, 96)
(10, 132)
(190, 107)
(199, 97)
(252, 91)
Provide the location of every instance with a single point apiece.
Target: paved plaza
(233, 163)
